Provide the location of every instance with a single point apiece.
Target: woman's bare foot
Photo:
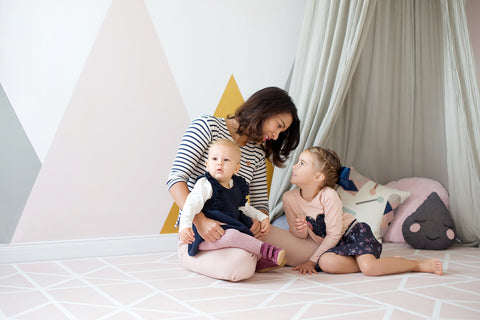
(429, 265)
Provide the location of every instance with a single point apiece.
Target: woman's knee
(298, 250)
(230, 264)
(238, 264)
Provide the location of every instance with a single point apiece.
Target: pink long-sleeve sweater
(326, 202)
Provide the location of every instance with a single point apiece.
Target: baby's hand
(265, 227)
(300, 224)
(256, 228)
(187, 235)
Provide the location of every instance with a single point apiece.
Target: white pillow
(370, 202)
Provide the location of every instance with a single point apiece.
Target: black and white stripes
(192, 155)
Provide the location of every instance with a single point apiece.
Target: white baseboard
(88, 248)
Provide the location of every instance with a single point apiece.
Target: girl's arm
(292, 216)
(333, 222)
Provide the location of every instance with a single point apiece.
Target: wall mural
(230, 100)
(105, 172)
(95, 97)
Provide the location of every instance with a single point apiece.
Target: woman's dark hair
(253, 113)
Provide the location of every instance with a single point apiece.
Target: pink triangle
(105, 173)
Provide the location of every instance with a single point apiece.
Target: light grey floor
(157, 287)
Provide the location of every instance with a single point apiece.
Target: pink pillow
(420, 189)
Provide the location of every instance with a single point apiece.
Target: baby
(221, 195)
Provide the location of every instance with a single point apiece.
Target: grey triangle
(19, 167)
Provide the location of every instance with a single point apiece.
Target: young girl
(314, 210)
(221, 195)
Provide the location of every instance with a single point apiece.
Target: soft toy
(420, 189)
(430, 227)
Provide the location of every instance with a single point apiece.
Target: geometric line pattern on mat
(156, 286)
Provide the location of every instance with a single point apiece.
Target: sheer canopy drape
(462, 106)
(400, 100)
(392, 124)
(332, 35)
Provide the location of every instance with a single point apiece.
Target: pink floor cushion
(420, 189)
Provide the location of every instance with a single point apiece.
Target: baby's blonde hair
(328, 162)
(228, 143)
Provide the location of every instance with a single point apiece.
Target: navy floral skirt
(360, 240)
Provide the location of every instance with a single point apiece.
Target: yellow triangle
(230, 100)
(169, 225)
(269, 175)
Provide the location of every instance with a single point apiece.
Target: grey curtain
(462, 120)
(399, 100)
(332, 37)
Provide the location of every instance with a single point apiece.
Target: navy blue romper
(223, 207)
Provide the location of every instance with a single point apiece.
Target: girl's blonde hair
(328, 162)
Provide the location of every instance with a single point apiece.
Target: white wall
(104, 90)
(44, 47)
(254, 40)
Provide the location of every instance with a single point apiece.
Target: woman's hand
(210, 230)
(306, 268)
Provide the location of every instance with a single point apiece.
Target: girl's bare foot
(430, 265)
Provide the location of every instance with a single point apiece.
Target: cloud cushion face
(369, 201)
(430, 227)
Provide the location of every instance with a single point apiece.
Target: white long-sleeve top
(201, 192)
(192, 154)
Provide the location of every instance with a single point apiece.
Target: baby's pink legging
(232, 238)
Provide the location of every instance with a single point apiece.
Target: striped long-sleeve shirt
(192, 154)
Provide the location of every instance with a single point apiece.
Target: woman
(265, 126)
